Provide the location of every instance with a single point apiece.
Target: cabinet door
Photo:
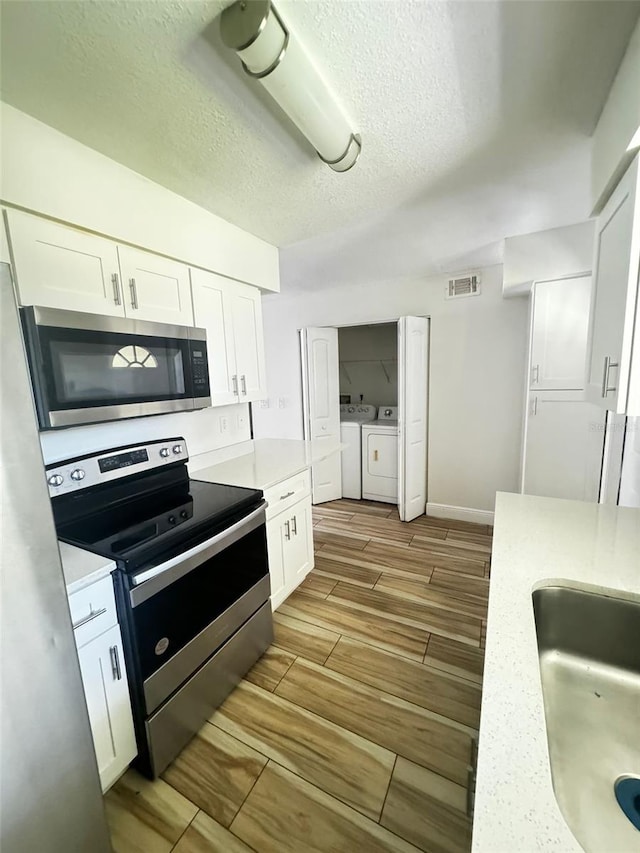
(60, 267)
(560, 333)
(104, 678)
(155, 288)
(616, 286)
(249, 342)
(563, 453)
(212, 311)
(298, 549)
(275, 546)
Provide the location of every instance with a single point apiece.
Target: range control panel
(83, 472)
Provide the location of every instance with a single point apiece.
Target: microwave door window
(101, 372)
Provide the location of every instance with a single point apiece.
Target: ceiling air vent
(468, 285)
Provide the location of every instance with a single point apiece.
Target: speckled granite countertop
(537, 542)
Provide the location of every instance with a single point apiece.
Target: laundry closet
(365, 388)
(368, 377)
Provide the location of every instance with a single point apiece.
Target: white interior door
(322, 408)
(413, 395)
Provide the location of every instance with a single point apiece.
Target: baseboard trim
(460, 513)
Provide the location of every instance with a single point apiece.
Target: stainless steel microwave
(87, 368)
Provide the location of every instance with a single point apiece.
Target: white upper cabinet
(231, 313)
(614, 303)
(560, 333)
(155, 288)
(210, 291)
(59, 267)
(246, 308)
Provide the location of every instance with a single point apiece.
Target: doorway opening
(365, 393)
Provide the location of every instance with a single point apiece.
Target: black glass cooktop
(151, 516)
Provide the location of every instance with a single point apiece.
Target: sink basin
(589, 652)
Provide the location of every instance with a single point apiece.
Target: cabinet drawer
(93, 610)
(288, 492)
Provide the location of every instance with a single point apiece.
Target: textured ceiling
(475, 119)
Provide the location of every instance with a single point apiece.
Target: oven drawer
(174, 724)
(287, 493)
(93, 611)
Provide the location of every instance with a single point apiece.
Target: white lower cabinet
(290, 547)
(104, 678)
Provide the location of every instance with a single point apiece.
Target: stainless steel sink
(589, 651)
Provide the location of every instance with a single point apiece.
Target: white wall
(204, 431)
(46, 172)
(369, 363)
(476, 372)
(547, 255)
(618, 125)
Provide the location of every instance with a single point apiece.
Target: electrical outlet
(282, 402)
(241, 421)
(224, 423)
(264, 404)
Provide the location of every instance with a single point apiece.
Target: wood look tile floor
(353, 731)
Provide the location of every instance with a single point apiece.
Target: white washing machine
(352, 417)
(380, 456)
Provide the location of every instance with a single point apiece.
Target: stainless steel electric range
(192, 580)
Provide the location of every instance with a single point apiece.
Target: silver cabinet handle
(288, 495)
(234, 380)
(116, 289)
(115, 663)
(294, 525)
(93, 614)
(287, 534)
(243, 380)
(535, 374)
(534, 407)
(134, 295)
(608, 364)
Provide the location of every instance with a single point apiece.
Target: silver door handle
(535, 374)
(608, 364)
(287, 534)
(294, 525)
(93, 614)
(116, 289)
(234, 380)
(244, 384)
(288, 495)
(134, 295)
(115, 663)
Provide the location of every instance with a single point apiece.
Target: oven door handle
(153, 580)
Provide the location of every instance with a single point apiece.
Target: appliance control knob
(78, 474)
(55, 480)
(184, 513)
(172, 519)
(177, 449)
(164, 452)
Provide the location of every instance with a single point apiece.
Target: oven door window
(87, 368)
(166, 622)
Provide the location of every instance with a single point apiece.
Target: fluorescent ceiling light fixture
(275, 57)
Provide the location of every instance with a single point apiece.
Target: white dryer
(380, 457)
(352, 417)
